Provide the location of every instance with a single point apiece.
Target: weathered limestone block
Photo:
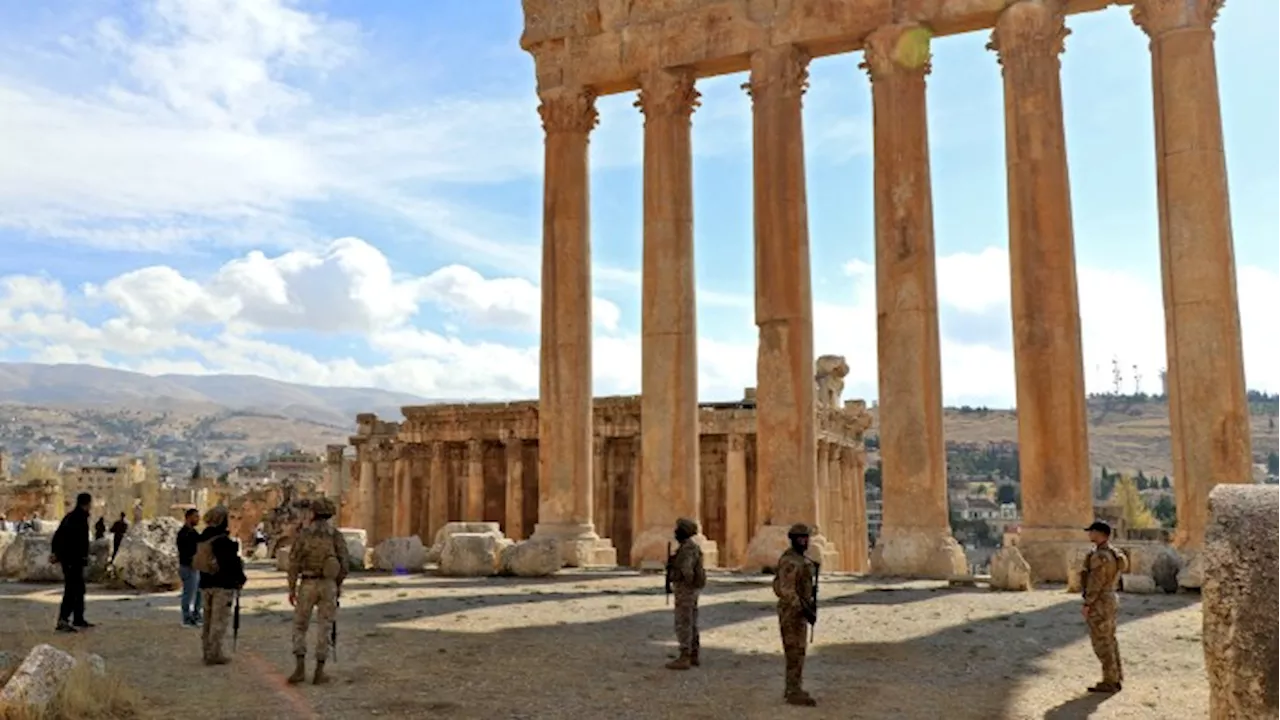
(1009, 570)
(356, 539)
(1137, 584)
(6, 539)
(38, 679)
(453, 528)
(770, 542)
(918, 552)
(531, 558)
(402, 554)
(1191, 576)
(473, 555)
(27, 559)
(148, 556)
(1240, 601)
(99, 560)
(1165, 569)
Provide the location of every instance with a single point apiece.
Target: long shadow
(1079, 708)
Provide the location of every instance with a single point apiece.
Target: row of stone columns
(1205, 365)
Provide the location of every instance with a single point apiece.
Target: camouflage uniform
(688, 578)
(218, 608)
(793, 584)
(1102, 568)
(318, 564)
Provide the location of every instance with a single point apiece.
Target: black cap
(1100, 526)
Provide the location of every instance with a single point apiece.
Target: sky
(339, 192)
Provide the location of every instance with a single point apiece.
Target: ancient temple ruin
(479, 462)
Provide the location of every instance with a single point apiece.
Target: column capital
(1157, 17)
(782, 71)
(568, 110)
(665, 93)
(894, 49)
(1030, 28)
(737, 443)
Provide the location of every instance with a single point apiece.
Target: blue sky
(343, 192)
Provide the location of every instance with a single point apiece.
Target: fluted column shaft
(1208, 409)
(1052, 440)
(473, 498)
(669, 486)
(437, 490)
(513, 525)
(917, 535)
(403, 495)
(737, 532)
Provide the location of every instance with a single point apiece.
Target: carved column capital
(568, 110)
(665, 93)
(893, 49)
(1030, 28)
(781, 71)
(737, 443)
(1157, 17)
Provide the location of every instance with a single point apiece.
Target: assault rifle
(235, 624)
(667, 583)
(817, 569)
(333, 630)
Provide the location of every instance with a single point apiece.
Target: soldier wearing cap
(688, 577)
(317, 566)
(1102, 567)
(793, 584)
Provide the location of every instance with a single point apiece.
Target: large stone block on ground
(1191, 576)
(27, 559)
(473, 555)
(402, 554)
(1240, 601)
(38, 679)
(356, 540)
(531, 558)
(99, 560)
(148, 556)
(1137, 584)
(1009, 570)
(1165, 569)
(6, 539)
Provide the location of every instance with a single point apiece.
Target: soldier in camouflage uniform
(318, 564)
(793, 584)
(688, 577)
(1102, 568)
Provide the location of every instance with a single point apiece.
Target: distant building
(113, 487)
(875, 511)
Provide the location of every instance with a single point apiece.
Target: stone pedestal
(1208, 411)
(918, 552)
(1052, 433)
(580, 546)
(1050, 551)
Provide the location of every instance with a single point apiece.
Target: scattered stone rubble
(148, 556)
(1009, 570)
(40, 676)
(400, 555)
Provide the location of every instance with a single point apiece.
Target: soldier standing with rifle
(686, 574)
(318, 564)
(795, 586)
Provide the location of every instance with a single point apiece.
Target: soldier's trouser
(217, 618)
(1102, 632)
(323, 596)
(687, 621)
(795, 638)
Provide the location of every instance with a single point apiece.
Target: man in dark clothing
(100, 529)
(218, 589)
(118, 529)
(70, 549)
(188, 538)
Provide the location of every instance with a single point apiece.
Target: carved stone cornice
(1030, 29)
(667, 93)
(568, 110)
(1157, 17)
(894, 49)
(780, 71)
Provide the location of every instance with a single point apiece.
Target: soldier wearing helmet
(688, 577)
(793, 584)
(318, 564)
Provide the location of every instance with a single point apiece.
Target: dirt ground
(592, 645)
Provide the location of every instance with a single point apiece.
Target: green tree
(1273, 463)
(196, 471)
(1136, 514)
(1007, 494)
(38, 466)
(1165, 484)
(1166, 512)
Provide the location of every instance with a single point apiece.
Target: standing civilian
(70, 549)
(188, 538)
(118, 529)
(100, 528)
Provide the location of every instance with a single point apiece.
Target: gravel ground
(592, 645)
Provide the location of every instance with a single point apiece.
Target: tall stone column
(826, 511)
(564, 397)
(916, 540)
(473, 498)
(786, 457)
(1053, 446)
(403, 498)
(368, 493)
(1208, 409)
(736, 530)
(437, 490)
(513, 526)
(669, 485)
(836, 524)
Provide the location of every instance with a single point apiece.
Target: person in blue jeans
(188, 538)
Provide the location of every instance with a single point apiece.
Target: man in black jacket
(70, 548)
(218, 589)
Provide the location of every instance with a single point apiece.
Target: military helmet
(322, 508)
(687, 526)
(799, 530)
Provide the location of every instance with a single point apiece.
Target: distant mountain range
(90, 386)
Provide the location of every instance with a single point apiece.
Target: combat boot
(299, 670)
(684, 662)
(1105, 687)
(319, 678)
(801, 698)
(693, 659)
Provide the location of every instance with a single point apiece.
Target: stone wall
(20, 500)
